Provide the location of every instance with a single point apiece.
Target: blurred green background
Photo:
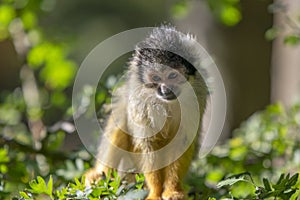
(255, 44)
(235, 40)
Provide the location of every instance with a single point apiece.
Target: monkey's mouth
(168, 97)
(167, 94)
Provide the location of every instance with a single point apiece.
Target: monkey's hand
(92, 176)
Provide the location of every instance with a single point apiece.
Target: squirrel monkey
(147, 114)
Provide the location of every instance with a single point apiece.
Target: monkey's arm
(118, 138)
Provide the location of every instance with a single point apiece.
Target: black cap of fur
(149, 55)
(165, 45)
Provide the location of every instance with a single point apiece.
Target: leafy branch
(284, 188)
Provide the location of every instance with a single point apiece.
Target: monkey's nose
(166, 90)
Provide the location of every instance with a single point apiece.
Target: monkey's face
(166, 81)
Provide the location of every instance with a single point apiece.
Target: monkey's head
(164, 61)
(164, 72)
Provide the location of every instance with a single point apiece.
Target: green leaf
(293, 180)
(139, 179)
(275, 109)
(58, 98)
(4, 156)
(37, 56)
(7, 14)
(179, 9)
(238, 153)
(292, 39)
(267, 184)
(271, 33)
(230, 181)
(39, 186)
(58, 74)
(50, 186)
(214, 176)
(280, 179)
(29, 20)
(230, 15)
(25, 196)
(227, 11)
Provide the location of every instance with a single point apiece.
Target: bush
(255, 163)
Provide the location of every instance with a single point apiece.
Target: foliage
(285, 187)
(110, 187)
(36, 119)
(262, 154)
(290, 30)
(266, 145)
(227, 12)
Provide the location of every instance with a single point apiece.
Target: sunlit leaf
(238, 153)
(43, 54)
(7, 14)
(227, 11)
(242, 189)
(230, 15)
(58, 74)
(29, 20)
(275, 109)
(37, 56)
(25, 195)
(50, 186)
(292, 39)
(271, 33)
(54, 52)
(230, 181)
(4, 156)
(39, 186)
(3, 160)
(214, 176)
(179, 9)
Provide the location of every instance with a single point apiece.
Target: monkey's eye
(156, 78)
(172, 75)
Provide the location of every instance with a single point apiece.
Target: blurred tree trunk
(241, 53)
(285, 76)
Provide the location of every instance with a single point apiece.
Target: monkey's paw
(174, 195)
(92, 177)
